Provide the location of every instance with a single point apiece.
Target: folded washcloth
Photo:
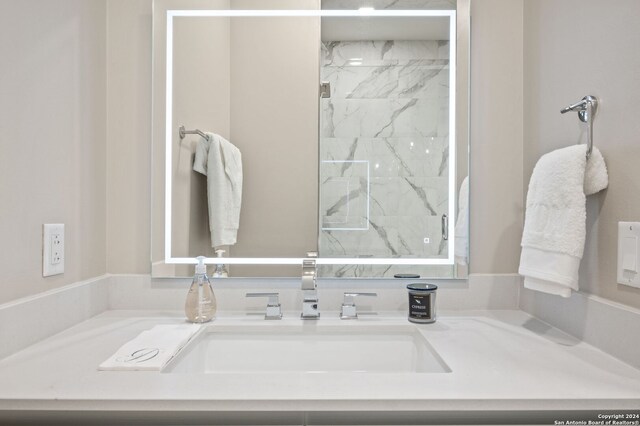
(221, 162)
(151, 349)
(554, 227)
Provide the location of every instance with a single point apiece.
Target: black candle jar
(422, 303)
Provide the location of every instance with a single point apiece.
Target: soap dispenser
(201, 302)
(220, 270)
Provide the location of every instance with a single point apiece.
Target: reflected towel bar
(184, 132)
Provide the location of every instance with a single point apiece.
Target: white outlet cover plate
(52, 249)
(629, 253)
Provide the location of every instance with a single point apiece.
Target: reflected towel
(221, 162)
(461, 246)
(152, 349)
(554, 228)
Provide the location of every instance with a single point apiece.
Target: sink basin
(308, 348)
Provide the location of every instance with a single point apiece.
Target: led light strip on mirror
(363, 12)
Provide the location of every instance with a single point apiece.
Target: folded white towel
(221, 162)
(151, 349)
(554, 227)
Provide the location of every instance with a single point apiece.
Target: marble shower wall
(383, 151)
(389, 4)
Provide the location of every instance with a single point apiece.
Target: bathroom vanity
(353, 124)
(483, 365)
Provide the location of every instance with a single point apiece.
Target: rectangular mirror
(336, 126)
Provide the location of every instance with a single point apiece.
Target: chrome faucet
(309, 288)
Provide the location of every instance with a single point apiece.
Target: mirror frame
(459, 39)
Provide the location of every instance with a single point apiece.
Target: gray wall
(52, 139)
(562, 64)
(496, 136)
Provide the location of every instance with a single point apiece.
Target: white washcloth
(555, 221)
(221, 162)
(151, 350)
(461, 246)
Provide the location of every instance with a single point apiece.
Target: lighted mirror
(335, 126)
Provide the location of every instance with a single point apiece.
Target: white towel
(221, 162)
(555, 221)
(151, 350)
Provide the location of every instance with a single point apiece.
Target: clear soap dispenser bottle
(201, 302)
(220, 270)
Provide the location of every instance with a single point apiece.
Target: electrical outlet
(628, 254)
(52, 249)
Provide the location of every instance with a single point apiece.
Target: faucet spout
(309, 287)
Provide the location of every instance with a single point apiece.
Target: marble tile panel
(419, 157)
(422, 235)
(383, 271)
(373, 242)
(389, 4)
(426, 195)
(385, 196)
(397, 52)
(394, 196)
(389, 236)
(373, 118)
(388, 81)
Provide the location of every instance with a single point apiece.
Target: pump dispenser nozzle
(201, 302)
(201, 268)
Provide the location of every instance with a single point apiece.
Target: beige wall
(574, 48)
(275, 75)
(496, 135)
(129, 136)
(201, 99)
(52, 139)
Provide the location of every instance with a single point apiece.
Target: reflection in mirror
(247, 81)
(386, 186)
(369, 168)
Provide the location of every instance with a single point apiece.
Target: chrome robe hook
(586, 109)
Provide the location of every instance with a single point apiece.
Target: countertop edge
(266, 405)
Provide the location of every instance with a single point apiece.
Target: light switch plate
(629, 253)
(52, 249)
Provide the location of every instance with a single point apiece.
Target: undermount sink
(308, 348)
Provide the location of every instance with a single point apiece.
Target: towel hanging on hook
(586, 109)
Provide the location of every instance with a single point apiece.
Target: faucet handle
(349, 310)
(274, 311)
(309, 271)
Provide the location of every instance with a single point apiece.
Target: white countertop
(500, 360)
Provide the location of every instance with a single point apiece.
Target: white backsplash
(609, 326)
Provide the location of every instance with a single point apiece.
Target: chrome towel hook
(182, 132)
(586, 109)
